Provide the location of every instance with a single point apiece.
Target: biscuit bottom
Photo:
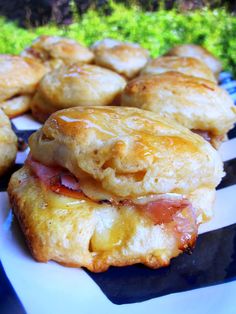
(79, 232)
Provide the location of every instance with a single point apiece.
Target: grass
(156, 31)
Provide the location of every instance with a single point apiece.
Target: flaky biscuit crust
(185, 65)
(8, 144)
(18, 76)
(55, 51)
(126, 59)
(76, 85)
(128, 151)
(81, 233)
(195, 51)
(193, 102)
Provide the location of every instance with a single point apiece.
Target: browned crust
(32, 241)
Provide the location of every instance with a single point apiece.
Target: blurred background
(156, 25)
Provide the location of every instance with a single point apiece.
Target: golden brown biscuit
(124, 58)
(185, 65)
(198, 104)
(195, 51)
(16, 105)
(76, 85)
(19, 77)
(55, 51)
(8, 144)
(105, 186)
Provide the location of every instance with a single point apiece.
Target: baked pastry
(19, 77)
(198, 104)
(8, 144)
(195, 51)
(124, 58)
(185, 65)
(76, 85)
(114, 186)
(55, 51)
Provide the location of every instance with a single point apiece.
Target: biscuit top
(195, 51)
(127, 151)
(80, 85)
(193, 102)
(18, 75)
(185, 65)
(123, 57)
(68, 50)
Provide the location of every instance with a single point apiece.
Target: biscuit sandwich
(111, 186)
(198, 104)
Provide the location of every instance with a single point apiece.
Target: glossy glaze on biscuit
(195, 51)
(193, 102)
(185, 65)
(124, 58)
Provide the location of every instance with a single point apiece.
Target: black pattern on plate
(24, 134)
(9, 302)
(213, 262)
(232, 133)
(230, 174)
(5, 179)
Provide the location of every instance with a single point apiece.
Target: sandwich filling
(172, 211)
(209, 137)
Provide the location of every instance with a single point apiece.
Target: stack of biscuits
(124, 168)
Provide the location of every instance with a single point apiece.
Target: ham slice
(57, 179)
(163, 210)
(206, 135)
